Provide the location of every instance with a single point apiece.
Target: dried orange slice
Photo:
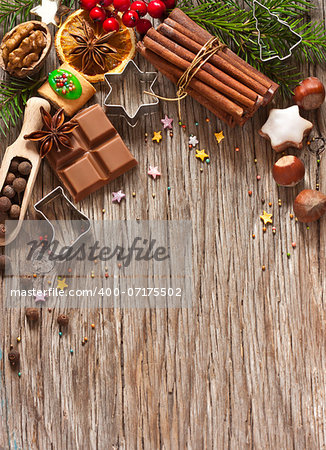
(123, 41)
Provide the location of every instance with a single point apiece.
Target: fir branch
(14, 94)
(237, 27)
(12, 10)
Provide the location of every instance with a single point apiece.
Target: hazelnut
(14, 357)
(5, 204)
(14, 166)
(310, 94)
(309, 205)
(10, 178)
(288, 171)
(8, 191)
(32, 314)
(19, 184)
(14, 212)
(63, 320)
(24, 168)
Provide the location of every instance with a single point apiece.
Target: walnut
(24, 48)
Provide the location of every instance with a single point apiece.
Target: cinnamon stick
(188, 39)
(203, 36)
(227, 104)
(173, 74)
(208, 73)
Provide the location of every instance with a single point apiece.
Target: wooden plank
(244, 368)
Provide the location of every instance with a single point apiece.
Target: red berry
(121, 5)
(88, 4)
(140, 8)
(111, 24)
(156, 9)
(97, 14)
(130, 19)
(106, 3)
(143, 26)
(170, 4)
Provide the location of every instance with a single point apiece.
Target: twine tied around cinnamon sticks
(210, 48)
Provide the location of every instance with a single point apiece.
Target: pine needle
(14, 94)
(237, 27)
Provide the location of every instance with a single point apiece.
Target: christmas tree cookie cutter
(119, 79)
(256, 4)
(58, 195)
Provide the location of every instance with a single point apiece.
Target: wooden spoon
(24, 149)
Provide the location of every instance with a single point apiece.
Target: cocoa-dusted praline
(19, 184)
(14, 357)
(63, 320)
(24, 168)
(8, 191)
(10, 178)
(5, 204)
(32, 314)
(14, 212)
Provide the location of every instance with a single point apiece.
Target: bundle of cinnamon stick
(226, 85)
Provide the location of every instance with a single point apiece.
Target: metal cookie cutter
(255, 3)
(119, 80)
(58, 195)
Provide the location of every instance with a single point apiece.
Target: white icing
(286, 125)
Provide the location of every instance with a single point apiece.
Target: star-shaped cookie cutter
(122, 110)
(254, 7)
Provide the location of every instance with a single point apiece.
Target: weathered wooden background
(244, 368)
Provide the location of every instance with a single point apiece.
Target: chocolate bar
(98, 154)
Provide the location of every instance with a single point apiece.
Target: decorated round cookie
(65, 84)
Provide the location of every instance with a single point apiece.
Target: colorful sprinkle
(118, 196)
(219, 136)
(157, 136)
(201, 155)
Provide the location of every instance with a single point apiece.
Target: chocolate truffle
(10, 178)
(24, 168)
(14, 212)
(5, 204)
(19, 184)
(8, 191)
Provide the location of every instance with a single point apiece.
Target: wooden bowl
(35, 67)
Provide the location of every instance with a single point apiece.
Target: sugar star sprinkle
(157, 136)
(193, 141)
(62, 284)
(40, 297)
(286, 128)
(266, 218)
(118, 196)
(154, 172)
(167, 122)
(219, 136)
(201, 155)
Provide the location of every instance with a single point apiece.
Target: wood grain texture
(244, 368)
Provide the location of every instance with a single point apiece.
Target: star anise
(91, 48)
(54, 132)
